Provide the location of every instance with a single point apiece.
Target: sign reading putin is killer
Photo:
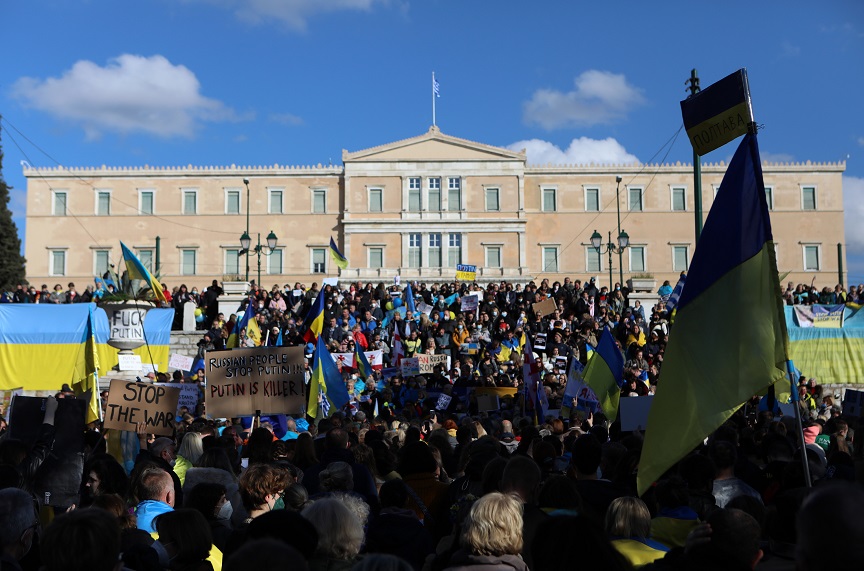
(242, 381)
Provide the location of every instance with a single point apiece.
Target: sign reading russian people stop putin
(266, 379)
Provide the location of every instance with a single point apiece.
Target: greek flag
(672, 302)
(435, 87)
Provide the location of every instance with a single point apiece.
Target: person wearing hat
(163, 453)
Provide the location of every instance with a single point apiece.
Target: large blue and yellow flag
(716, 358)
(337, 256)
(605, 373)
(327, 382)
(315, 319)
(135, 270)
(87, 385)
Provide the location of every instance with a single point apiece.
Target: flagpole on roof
(435, 95)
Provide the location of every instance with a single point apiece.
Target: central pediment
(433, 146)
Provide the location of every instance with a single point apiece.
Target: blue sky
(257, 82)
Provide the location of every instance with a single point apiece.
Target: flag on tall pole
(87, 387)
(239, 325)
(436, 93)
(705, 379)
(605, 374)
(315, 319)
(135, 270)
(327, 382)
(337, 256)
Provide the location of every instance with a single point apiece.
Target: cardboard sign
(242, 381)
(410, 367)
(130, 403)
(189, 394)
(443, 402)
(634, 412)
(129, 362)
(466, 273)
(180, 362)
(426, 363)
(546, 307)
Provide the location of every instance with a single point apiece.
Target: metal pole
(620, 252)
(258, 251)
(794, 385)
(840, 264)
(697, 166)
(609, 247)
(246, 182)
(158, 256)
(433, 98)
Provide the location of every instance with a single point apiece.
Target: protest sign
(852, 402)
(466, 273)
(189, 394)
(443, 402)
(469, 348)
(487, 402)
(130, 403)
(6, 399)
(469, 302)
(128, 362)
(426, 363)
(410, 367)
(390, 372)
(546, 307)
(424, 307)
(242, 381)
(332, 282)
(540, 342)
(584, 396)
(180, 362)
(634, 412)
(149, 368)
(822, 316)
(561, 363)
(500, 392)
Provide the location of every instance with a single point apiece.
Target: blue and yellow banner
(337, 256)
(831, 355)
(719, 113)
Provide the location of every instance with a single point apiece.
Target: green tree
(11, 261)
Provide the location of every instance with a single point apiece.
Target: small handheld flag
(337, 256)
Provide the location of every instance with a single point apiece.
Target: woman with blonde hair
(191, 449)
(492, 536)
(628, 525)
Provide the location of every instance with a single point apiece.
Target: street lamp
(246, 233)
(611, 248)
(246, 243)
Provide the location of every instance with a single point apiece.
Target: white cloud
(853, 207)
(292, 13)
(130, 94)
(286, 119)
(774, 157)
(599, 97)
(581, 151)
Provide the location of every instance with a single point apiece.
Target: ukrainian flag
(337, 256)
(605, 373)
(135, 270)
(361, 363)
(716, 358)
(315, 319)
(87, 386)
(242, 323)
(327, 382)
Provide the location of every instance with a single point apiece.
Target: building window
(376, 200)
(769, 197)
(58, 263)
(808, 197)
(812, 259)
(103, 203)
(190, 202)
(635, 195)
(232, 261)
(188, 262)
(550, 259)
(592, 200)
(492, 204)
(319, 201)
(376, 258)
(415, 259)
(415, 201)
(319, 260)
(454, 193)
(59, 203)
(493, 256)
(434, 250)
(101, 261)
(146, 258)
(274, 263)
(550, 200)
(592, 260)
(232, 202)
(145, 201)
(435, 194)
(680, 258)
(275, 202)
(637, 258)
(679, 199)
(716, 188)
(454, 252)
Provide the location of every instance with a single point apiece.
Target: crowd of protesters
(391, 483)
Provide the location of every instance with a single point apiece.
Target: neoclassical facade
(415, 208)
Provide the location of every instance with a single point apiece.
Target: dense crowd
(392, 482)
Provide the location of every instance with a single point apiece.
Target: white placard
(330, 281)
(149, 368)
(634, 412)
(180, 362)
(129, 362)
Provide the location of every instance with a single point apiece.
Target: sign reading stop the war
(243, 381)
(130, 403)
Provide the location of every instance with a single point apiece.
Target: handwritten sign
(466, 273)
(180, 362)
(241, 381)
(546, 307)
(410, 367)
(128, 362)
(426, 363)
(130, 403)
(189, 394)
